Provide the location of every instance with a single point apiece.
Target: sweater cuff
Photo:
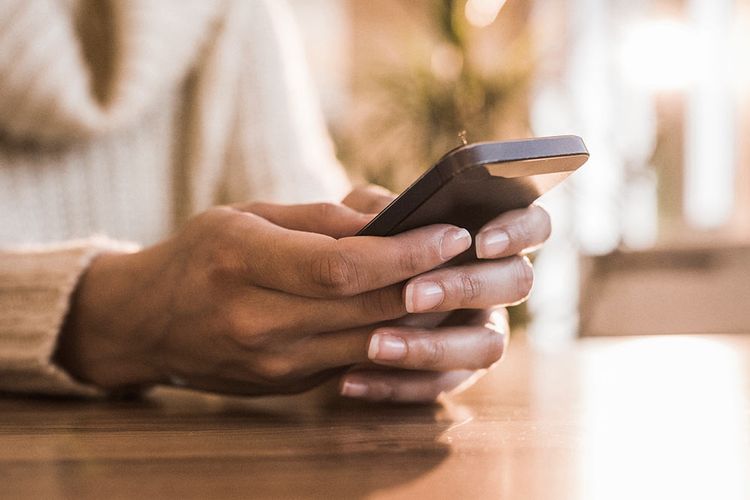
(36, 284)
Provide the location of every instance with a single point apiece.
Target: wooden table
(656, 417)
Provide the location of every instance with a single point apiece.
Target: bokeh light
(481, 13)
(659, 54)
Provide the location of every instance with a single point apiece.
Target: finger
(513, 232)
(315, 265)
(474, 286)
(296, 317)
(399, 386)
(439, 349)
(369, 199)
(346, 345)
(331, 219)
(428, 349)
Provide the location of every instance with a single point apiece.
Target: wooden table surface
(657, 417)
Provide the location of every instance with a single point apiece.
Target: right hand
(447, 349)
(247, 303)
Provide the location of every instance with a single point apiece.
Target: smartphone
(474, 183)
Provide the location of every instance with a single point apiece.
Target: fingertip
(492, 243)
(454, 242)
(423, 296)
(409, 297)
(353, 388)
(385, 347)
(499, 319)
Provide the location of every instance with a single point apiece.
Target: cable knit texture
(29, 279)
(122, 118)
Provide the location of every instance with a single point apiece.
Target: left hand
(428, 353)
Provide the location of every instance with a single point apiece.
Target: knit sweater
(118, 120)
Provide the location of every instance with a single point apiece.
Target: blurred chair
(674, 290)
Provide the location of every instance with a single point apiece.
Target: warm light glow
(710, 135)
(659, 55)
(481, 13)
(740, 50)
(668, 411)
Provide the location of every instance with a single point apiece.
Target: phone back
(469, 187)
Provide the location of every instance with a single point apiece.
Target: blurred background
(653, 234)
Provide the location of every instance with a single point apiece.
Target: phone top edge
(466, 157)
(484, 153)
(573, 143)
(420, 190)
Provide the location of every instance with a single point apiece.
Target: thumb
(330, 219)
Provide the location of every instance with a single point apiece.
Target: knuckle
(335, 273)
(327, 210)
(433, 354)
(382, 304)
(213, 242)
(248, 331)
(470, 288)
(218, 222)
(410, 261)
(274, 368)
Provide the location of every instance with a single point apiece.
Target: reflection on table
(643, 417)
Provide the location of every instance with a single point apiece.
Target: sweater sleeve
(36, 285)
(288, 156)
(263, 123)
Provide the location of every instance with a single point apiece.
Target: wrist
(104, 341)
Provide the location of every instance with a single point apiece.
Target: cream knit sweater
(118, 119)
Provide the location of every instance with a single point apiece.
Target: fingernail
(386, 348)
(353, 389)
(423, 296)
(492, 243)
(454, 242)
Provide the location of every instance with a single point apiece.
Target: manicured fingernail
(454, 242)
(385, 347)
(492, 243)
(353, 389)
(423, 296)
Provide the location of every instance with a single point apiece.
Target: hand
(455, 354)
(258, 299)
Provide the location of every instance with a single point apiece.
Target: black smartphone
(475, 183)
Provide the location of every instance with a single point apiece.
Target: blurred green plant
(411, 114)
